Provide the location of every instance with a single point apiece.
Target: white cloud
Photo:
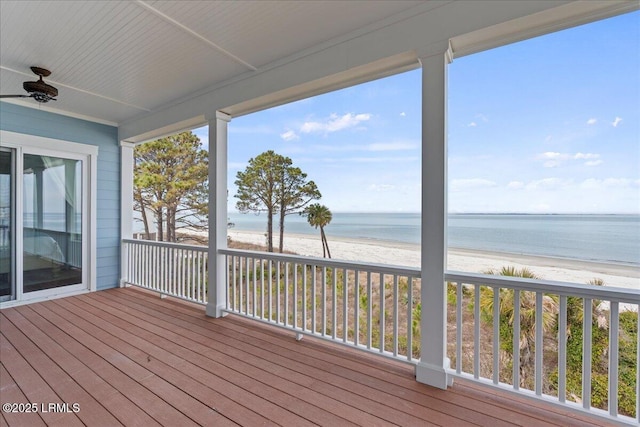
(334, 123)
(381, 187)
(289, 136)
(472, 124)
(547, 184)
(553, 156)
(469, 184)
(403, 114)
(554, 159)
(591, 121)
(616, 122)
(515, 185)
(586, 156)
(482, 117)
(608, 183)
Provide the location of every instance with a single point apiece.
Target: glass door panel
(52, 222)
(7, 225)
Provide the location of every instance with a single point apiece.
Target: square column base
(435, 376)
(213, 311)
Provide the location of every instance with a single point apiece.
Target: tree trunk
(171, 225)
(281, 243)
(324, 241)
(145, 220)
(270, 230)
(160, 218)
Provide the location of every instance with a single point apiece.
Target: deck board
(130, 358)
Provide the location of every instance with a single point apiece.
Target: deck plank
(268, 370)
(209, 363)
(90, 380)
(166, 363)
(11, 393)
(117, 368)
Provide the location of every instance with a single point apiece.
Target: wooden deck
(127, 357)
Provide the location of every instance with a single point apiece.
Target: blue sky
(551, 124)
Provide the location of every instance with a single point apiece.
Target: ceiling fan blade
(14, 96)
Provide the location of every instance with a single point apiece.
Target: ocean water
(601, 238)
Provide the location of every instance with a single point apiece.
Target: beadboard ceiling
(114, 60)
(145, 65)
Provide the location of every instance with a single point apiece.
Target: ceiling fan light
(40, 87)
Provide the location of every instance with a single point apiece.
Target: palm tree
(319, 216)
(527, 318)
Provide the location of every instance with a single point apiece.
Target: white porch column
(217, 214)
(126, 204)
(433, 325)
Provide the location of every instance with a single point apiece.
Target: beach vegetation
(171, 183)
(319, 216)
(271, 184)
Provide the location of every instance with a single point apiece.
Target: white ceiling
(113, 60)
(149, 65)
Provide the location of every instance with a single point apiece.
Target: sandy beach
(381, 252)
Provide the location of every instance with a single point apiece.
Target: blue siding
(15, 118)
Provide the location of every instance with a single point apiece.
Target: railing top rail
(200, 248)
(324, 262)
(607, 293)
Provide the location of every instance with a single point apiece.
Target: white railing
(564, 335)
(520, 327)
(366, 306)
(169, 268)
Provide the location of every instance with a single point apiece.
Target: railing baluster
(459, 297)
(586, 353)
(270, 286)
(323, 306)
(381, 314)
(235, 268)
(539, 349)
(562, 350)
(356, 307)
(203, 276)
(314, 300)
(476, 332)
(278, 292)
(395, 315)
(369, 311)
(286, 293)
(295, 295)
(614, 324)
(334, 303)
(496, 335)
(345, 313)
(410, 318)
(516, 339)
(247, 293)
(254, 307)
(240, 281)
(304, 298)
(226, 274)
(262, 289)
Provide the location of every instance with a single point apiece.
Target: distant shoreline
(467, 260)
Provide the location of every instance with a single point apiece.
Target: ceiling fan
(38, 90)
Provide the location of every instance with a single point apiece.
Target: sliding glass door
(51, 223)
(47, 227)
(7, 224)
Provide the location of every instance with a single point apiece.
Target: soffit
(113, 60)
